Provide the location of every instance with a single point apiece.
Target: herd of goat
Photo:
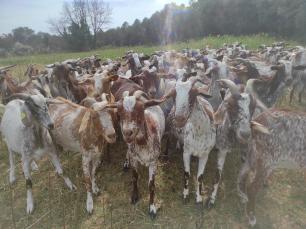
(204, 99)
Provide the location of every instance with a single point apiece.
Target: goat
(267, 152)
(142, 124)
(234, 123)
(193, 121)
(86, 131)
(24, 127)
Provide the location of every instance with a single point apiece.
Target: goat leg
(152, 207)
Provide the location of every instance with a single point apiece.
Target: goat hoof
(30, 208)
(96, 191)
(186, 200)
(200, 206)
(74, 188)
(252, 221)
(165, 158)
(126, 167)
(134, 199)
(89, 203)
(152, 211)
(209, 204)
(34, 166)
(12, 180)
(152, 215)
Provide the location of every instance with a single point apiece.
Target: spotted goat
(84, 130)
(142, 124)
(267, 152)
(192, 122)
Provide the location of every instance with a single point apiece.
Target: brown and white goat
(142, 124)
(284, 147)
(86, 131)
(193, 124)
(234, 125)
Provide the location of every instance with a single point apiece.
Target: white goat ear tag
(84, 122)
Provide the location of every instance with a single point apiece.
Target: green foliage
(286, 18)
(78, 37)
(175, 23)
(22, 34)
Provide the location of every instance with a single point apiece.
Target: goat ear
(2, 109)
(112, 105)
(84, 122)
(299, 67)
(260, 128)
(170, 94)
(153, 102)
(219, 114)
(113, 77)
(219, 58)
(222, 93)
(51, 101)
(165, 75)
(125, 93)
(193, 73)
(204, 91)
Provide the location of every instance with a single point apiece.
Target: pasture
(282, 204)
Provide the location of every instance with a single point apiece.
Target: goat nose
(288, 81)
(50, 126)
(128, 133)
(245, 134)
(111, 135)
(152, 94)
(179, 119)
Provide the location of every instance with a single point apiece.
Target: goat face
(148, 80)
(284, 69)
(38, 106)
(240, 110)
(185, 95)
(184, 100)
(131, 112)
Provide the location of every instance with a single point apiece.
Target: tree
(22, 34)
(99, 14)
(78, 36)
(80, 15)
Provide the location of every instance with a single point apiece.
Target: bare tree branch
(95, 13)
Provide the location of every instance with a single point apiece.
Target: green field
(282, 204)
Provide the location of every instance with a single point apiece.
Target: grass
(281, 205)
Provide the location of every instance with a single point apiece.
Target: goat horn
(249, 89)
(231, 86)
(139, 93)
(22, 96)
(7, 67)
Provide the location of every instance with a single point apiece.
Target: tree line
(82, 24)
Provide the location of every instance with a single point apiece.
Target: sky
(35, 13)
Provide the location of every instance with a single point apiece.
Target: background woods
(82, 25)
